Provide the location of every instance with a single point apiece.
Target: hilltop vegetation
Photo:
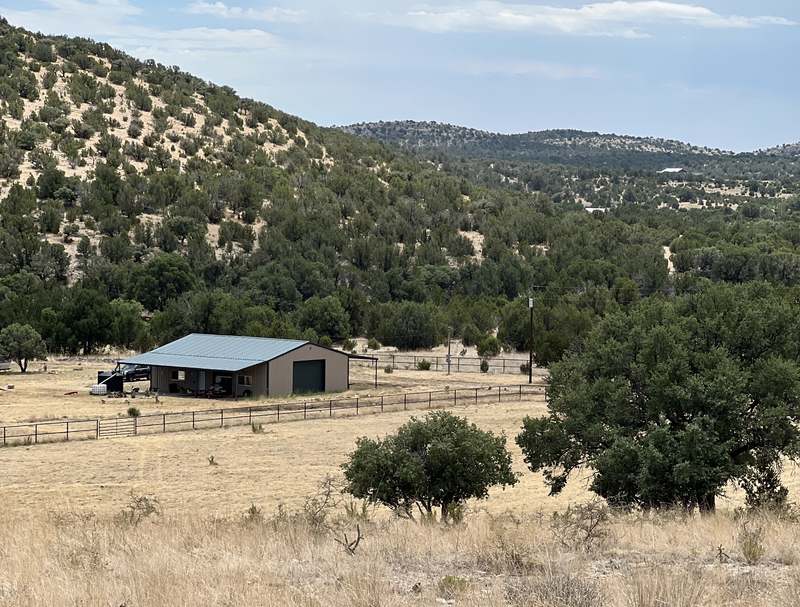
(140, 203)
(567, 146)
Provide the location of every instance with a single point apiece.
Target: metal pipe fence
(458, 364)
(159, 423)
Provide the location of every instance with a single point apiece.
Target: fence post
(135, 426)
(97, 428)
(222, 418)
(455, 398)
(504, 366)
(405, 402)
(250, 415)
(476, 396)
(499, 396)
(279, 412)
(35, 434)
(437, 363)
(520, 391)
(193, 420)
(356, 405)
(164, 424)
(67, 431)
(458, 364)
(330, 408)
(381, 408)
(429, 400)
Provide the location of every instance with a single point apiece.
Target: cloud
(74, 17)
(618, 19)
(197, 39)
(274, 14)
(549, 71)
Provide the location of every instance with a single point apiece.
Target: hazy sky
(721, 73)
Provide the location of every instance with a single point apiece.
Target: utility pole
(449, 337)
(530, 342)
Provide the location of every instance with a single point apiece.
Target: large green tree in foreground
(436, 462)
(668, 403)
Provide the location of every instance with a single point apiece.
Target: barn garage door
(309, 376)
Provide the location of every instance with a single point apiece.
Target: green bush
(374, 344)
(133, 412)
(388, 369)
(424, 365)
(489, 346)
(348, 345)
(325, 341)
(484, 366)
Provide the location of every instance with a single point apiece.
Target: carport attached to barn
(244, 366)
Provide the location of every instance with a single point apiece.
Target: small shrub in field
(253, 516)
(374, 344)
(525, 368)
(751, 542)
(451, 587)
(257, 428)
(139, 508)
(212, 461)
(348, 345)
(484, 366)
(388, 369)
(559, 590)
(134, 412)
(424, 365)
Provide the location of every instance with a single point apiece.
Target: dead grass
(58, 557)
(220, 540)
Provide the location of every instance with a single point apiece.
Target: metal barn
(227, 365)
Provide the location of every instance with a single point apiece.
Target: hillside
(139, 203)
(568, 147)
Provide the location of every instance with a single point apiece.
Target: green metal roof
(217, 352)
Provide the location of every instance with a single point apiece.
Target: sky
(716, 73)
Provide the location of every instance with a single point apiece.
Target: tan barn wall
(281, 370)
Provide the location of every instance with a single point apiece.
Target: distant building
(593, 209)
(228, 365)
(672, 170)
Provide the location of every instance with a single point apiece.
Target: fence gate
(122, 426)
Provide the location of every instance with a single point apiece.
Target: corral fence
(458, 364)
(158, 423)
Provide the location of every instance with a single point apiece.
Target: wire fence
(458, 364)
(159, 423)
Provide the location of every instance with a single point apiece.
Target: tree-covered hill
(139, 203)
(570, 147)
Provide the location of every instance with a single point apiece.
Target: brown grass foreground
(61, 558)
(63, 540)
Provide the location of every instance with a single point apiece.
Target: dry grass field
(63, 540)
